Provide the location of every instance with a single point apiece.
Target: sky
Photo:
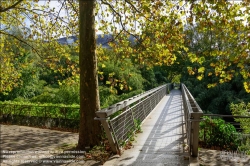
(55, 4)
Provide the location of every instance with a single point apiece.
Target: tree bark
(90, 129)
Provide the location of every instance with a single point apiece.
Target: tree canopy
(159, 29)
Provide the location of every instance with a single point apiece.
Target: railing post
(108, 131)
(195, 125)
(167, 89)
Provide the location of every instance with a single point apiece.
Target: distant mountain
(101, 40)
(67, 40)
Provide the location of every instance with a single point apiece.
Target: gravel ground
(217, 158)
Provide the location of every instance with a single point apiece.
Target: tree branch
(120, 17)
(13, 36)
(73, 7)
(133, 6)
(10, 7)
(113, 38)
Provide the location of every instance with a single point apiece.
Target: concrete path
(163, 138)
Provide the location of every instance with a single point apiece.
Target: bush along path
(221, 144)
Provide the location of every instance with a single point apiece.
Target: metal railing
(229, 119)
(193, 115)
(129, 114)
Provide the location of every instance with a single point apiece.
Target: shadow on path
(164, 144)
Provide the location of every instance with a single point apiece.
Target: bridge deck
(163, 138)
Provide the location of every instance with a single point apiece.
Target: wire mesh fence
(126, 123)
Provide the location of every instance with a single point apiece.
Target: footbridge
(162, 123)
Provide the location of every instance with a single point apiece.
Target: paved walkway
(163, 138)
(24, 146)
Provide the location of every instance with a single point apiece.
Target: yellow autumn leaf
(199, 77)
(222, 81)
(201, 70)
(247, 86)
(211, 85)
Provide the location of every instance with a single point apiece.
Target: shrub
(217, 133)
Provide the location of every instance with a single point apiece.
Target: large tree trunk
(90, 129)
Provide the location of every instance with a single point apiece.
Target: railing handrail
(193, 114)
(105, 112)
(190, 98)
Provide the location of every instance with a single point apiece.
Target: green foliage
(40, 110)
(107, 98)
(116, 114)
(218, 133)
(219, 96)
(68, 94)
(121, 75)
(48, 96)
(244, 142)
(242, 109)
(65, 94)
(138, 124)
(150, 79)
(212, 67)
(226, 53)
(176, 79)
(29, 84)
